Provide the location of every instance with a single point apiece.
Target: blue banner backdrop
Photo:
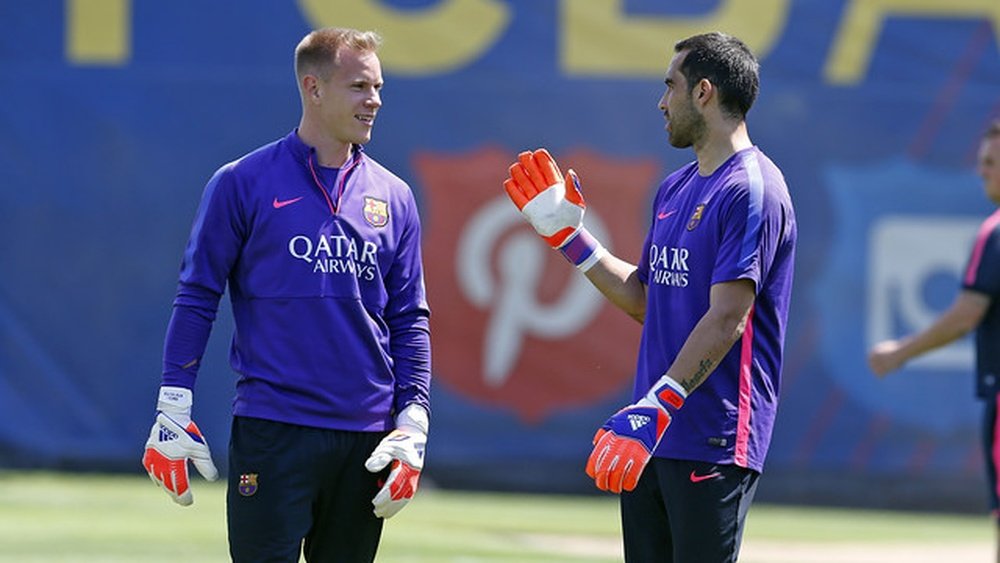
(116, 113)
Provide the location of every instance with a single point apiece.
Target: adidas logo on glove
(167, 434)
(638, 420)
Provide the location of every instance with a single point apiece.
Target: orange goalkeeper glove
(538, 189)
(626, 442)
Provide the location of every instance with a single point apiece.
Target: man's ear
(703, 91)
(311, 87)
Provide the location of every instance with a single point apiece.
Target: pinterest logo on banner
(513, 324)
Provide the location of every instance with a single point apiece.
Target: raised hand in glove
(554, 208)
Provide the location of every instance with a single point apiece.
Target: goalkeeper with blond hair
(319, 245)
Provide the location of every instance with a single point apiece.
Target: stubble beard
(688, 130)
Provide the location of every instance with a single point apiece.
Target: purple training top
(326, 282)
(737, 223)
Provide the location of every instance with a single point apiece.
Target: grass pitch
(54, 517)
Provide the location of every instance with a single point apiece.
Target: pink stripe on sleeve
(977, 250)
(746, 383)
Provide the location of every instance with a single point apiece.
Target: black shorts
(295, 488)
(687, 511)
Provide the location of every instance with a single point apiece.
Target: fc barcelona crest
(376, 212)
(248, 484)
(696, 217)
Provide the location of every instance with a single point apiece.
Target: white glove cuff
(592, 260)
(175, 400)
(583, 250)
(661, 390)
(413, 416)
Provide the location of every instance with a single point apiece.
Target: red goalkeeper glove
(626, 442)
(173, 440)
(403, 451)
(538, 189)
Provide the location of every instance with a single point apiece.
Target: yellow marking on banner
(438, 39)
(863, 20)
(599, 39)
(98, 32)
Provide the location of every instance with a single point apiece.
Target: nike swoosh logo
(699, 478)
(279, 204)
(665, 214)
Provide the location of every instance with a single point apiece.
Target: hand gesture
(538, 189)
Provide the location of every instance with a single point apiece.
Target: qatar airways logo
(336, 254)
(668, 265)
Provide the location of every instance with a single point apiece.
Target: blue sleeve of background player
(982, 273)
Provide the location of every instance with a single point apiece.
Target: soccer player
(712, 290)
(320, 248)
(975, 308)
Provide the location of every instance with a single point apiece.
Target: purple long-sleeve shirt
(325, 277)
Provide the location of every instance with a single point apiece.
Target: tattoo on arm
(704, 368)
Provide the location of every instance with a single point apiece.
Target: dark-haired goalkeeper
(712, 289)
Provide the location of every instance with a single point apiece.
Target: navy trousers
(295, 489)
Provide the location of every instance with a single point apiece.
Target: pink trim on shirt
(745, 387)
(977, 250)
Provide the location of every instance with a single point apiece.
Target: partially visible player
(319, 246)
(712, 289)
(975, 308)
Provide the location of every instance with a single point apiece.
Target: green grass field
(50, 517)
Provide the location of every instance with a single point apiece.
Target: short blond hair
(318, 52)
